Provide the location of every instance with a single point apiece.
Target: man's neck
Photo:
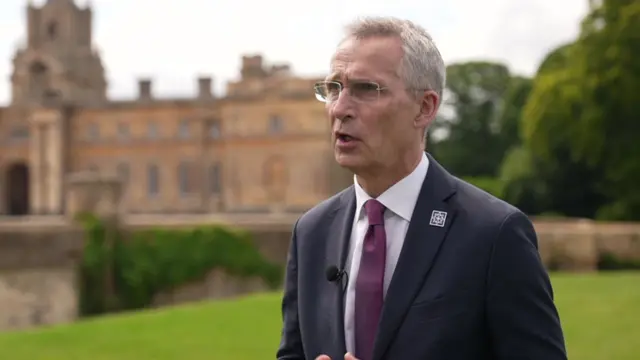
(378, 181)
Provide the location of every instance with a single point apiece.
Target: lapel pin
(438, 218)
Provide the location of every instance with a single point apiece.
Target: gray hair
(422, 66)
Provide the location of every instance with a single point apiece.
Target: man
(409, 262)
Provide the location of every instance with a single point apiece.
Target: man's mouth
(344, 137)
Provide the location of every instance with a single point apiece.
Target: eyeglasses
(363, 91)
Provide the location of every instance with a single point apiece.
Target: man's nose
(342, 107)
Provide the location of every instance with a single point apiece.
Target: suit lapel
(340, 236)
(421, 245)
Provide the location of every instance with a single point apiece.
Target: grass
(600, 315)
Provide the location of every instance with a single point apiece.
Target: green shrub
(93, 265)
(128, 274)
(611, 262)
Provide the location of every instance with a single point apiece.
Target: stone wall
(38, 296)
(39, 257)
(38, 275)
(577, 245)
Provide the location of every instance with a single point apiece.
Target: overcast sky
(174, 41)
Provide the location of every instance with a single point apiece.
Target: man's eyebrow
(363, 80)
(335, 76)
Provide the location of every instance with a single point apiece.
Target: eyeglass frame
(378, 88)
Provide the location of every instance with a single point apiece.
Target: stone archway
(17, 189)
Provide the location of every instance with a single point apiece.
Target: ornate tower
(58, 62)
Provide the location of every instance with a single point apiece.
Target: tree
(510, 118)
(581, 120)
(609, 133)
(476, 92)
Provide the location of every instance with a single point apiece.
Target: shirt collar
(400, 198)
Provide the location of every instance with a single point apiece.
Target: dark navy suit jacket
(473, 289)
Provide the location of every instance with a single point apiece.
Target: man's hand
(347, 356)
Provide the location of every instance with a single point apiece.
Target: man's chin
(348, 161)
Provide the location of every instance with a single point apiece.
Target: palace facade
(263, 146)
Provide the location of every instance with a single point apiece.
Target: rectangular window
(215, 178)
(153, 180)
(183, 178)
(214, 129)
(152, 131)
(275, 124)
(123, 132)
(19, 134)
(93, 133)
(183, 130)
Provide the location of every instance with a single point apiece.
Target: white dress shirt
(399, 200)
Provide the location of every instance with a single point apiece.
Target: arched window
(52, 30)
(38, 68)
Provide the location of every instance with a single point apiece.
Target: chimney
(252, 67)
(144, 89)
(204, 88)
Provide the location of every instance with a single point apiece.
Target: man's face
(371, 131)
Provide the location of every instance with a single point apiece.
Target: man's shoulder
(322, 210)
(478, 209)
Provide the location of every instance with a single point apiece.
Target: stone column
(54, 162)
(35, 167)
(44, 171)
(3, 189)
(46, 161)
(45, 167)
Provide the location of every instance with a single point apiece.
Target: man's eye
(333, 88)
(365, 87)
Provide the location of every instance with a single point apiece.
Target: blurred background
(154, 157)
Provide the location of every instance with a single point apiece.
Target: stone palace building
(262, 147)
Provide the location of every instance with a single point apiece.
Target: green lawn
(601, 316)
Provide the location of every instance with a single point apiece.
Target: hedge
(611, 262)
(121, 272)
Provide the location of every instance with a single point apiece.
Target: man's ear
(428, 109)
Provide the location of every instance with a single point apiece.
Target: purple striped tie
(370, 282)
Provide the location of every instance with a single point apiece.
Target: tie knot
(375, 212)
